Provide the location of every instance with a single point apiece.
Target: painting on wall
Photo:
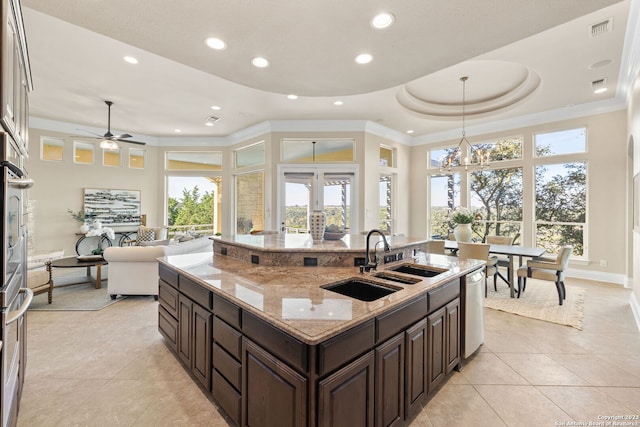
(113, 208)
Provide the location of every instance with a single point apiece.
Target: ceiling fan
(109, 141)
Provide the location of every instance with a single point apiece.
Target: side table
(73, 262)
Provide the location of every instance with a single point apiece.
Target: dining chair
(435, 247)
(546, 268)
(502, 261)
(480, 251)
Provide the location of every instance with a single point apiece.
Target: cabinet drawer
(168, 327)
(168, 275)
(389, 324)
(337, 351)
(197, 293)
(226, 365)
(226, 396)
(278, 342)
(227, 338)
(443, 294)
(227, 311)
(168, 298)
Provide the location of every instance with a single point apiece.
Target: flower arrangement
(462, 215)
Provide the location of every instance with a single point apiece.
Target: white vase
(84, 229)
(316, 224)
(463, 232)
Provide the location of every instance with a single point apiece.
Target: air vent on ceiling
(600, 28)
(599, 85)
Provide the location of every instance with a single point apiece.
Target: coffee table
(73, 262)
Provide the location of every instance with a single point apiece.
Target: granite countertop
(292, 298)
(303, 242)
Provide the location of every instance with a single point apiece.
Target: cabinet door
(9, 47)
(185, 329)
(453, 334)
(202, 345)
(390, 382)
(436, 347)
(416, 368)
(345, 398)
(273, 394)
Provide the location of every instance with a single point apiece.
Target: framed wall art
(113, 208)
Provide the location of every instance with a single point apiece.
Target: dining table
(511, 251)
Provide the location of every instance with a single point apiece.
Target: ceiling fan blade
(132, 142)
(123, 136)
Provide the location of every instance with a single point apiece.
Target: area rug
(540, 301)
(84, 297)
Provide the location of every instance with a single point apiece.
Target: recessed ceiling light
(382, 20)
(130, 59)
(215, 107)
(215, 43)
(177, 130)
(599, 86)
(600, 90)
(209, 124)
(364, 58)
(600, 64)
(260, 62)
(292, 96)
(410, 131)
(338, 103)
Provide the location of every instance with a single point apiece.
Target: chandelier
(465, 156)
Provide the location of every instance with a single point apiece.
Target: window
(386, 156)
(51, 149)
(83, 153)
(444, 196)
(496, 195)
(561, 206)
(386, 203)
(194, 160)
(249, 202)
(136, 158)
(251, 155)
(561, 142)
(194, 203)
(317, 150)
(502, 149)
(111, 158)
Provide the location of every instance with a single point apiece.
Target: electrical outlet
(603, 263)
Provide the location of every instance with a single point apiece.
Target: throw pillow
(145, 234)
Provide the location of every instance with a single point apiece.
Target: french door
(302, 189)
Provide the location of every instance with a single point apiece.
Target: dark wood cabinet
(346, 398)
(390, 378)
(378, 373)
(274, 395)
(443, 349)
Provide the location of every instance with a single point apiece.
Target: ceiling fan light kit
(109, 141)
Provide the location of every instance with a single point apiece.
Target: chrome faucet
(373, 264)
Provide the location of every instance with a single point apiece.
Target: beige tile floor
(111, 368)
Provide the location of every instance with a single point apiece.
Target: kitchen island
(274, 347)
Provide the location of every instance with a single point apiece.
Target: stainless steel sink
(361, 289)
(395, 278)
(418, 270)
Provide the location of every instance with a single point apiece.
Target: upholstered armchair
(435, 247)
(546, 268)
(41, 281)
(480, 251)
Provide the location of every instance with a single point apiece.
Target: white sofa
(133, 270)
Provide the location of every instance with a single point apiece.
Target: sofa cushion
(165, 242)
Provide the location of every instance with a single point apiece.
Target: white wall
(634, 133)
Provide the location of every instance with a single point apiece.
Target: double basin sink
(367, 289)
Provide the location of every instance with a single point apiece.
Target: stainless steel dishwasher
(474, 312)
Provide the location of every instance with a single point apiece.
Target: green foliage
(191, 209)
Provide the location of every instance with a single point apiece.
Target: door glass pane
(317, 150)
(249, 202)
(297, 200)
(194, 204)
(445, 196)
(337, 200)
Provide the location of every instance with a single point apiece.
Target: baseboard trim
(599, 276)
(635, 308)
